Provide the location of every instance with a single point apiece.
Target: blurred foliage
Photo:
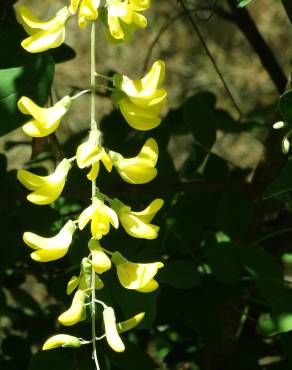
(225, 299)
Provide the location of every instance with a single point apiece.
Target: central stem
(93, 126)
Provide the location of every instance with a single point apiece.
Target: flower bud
(111, 332)
(74, 313)
(130, 323)
(61, 340)
(99, 260)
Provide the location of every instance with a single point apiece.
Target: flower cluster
(121, 17)
(140, 102)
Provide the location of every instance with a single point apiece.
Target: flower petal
(137, 228)
(86, 216)
(138, 117)
(44, 40)
(30, 180)
(149, 212)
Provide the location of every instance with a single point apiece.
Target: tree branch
(256, 40)
(287, 4)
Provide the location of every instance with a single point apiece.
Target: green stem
(93, 127)
(103, 76)
(270, 236)
(106, 87)
(80, 94)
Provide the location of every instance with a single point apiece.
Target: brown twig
(262, 49)
(209, 54)
(216, 10)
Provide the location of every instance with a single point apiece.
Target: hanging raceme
(140, 102)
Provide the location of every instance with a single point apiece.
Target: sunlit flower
(111, 331)
(137, 224)
(61, 340)
(101, 217)
(139, 169)
(99, 259)
(137, 276)
(44, 120)
(50, 249)
(141, 101)
(124, 16)
(43, 35)
(74, 313)
(88, 10)
(90, 153)
(45, 189)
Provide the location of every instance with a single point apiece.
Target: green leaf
(21, 73)
(224, 262)
(133, 357)
(234, 213)
(265, 270)
(280, 320)
(199, 114)
(181, 274)
(285, 106)
(33, 79)
(282, 183)
(202, 311)
(243, 3)
(62, 359)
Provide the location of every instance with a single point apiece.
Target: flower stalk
(93, 126)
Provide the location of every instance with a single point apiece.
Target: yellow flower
(140, 101)
(137, 276)
(50, 249)
(99, 259)
(61, 340)
(88, 10)
(111, 331)
(43, 35)
(137, 224)
(46, 189)
(101, 217)
(90, 153)
(124, 16)
(74, 313)
(139, 169)
(45, 120)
